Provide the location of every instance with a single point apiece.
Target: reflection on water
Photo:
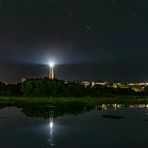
(51, 112)
(117, 106)
(74, 126)
(55, 111)
(51, 122)
(51, 125)
(139, 106)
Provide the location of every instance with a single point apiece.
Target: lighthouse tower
(51, 71)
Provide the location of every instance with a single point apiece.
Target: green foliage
(44, 87)
(10, 89)
(47, 87)
(146, 89)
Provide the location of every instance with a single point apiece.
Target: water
(81, 127)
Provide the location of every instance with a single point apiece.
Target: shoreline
(45, 101)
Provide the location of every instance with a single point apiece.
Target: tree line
(10, 89)
(44, 87)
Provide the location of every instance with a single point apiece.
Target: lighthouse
(51, 71)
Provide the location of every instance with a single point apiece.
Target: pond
(102, 126)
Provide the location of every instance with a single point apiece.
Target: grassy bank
(19, 101)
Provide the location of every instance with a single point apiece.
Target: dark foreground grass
(46, 101)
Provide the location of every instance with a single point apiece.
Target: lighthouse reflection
(51, 130)
(51, 122)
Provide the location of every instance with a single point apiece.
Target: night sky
(87, 39)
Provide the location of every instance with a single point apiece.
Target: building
(51, 71)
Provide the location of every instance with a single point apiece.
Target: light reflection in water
(117, 106)
(139, 106)
(51, 129)
(51, 122)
